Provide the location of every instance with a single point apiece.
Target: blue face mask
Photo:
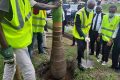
(89, 10)
(111, 15)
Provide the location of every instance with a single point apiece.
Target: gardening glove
(8, 55)
(87, 39)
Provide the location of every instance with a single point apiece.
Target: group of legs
(23, 60)
(41, 48)
(100, 48)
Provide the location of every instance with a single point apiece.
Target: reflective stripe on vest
(38, 18)
(37, 25)
(108, 28)
(106, 35)
(85, 23)
(83, 19)
(21, 21)
(18, 31)
(39, 21)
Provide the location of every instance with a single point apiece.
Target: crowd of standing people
(21, 21)
(101, 30)
(17, 21)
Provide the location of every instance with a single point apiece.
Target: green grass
(105, 7)
(99, 72)
(1, 67)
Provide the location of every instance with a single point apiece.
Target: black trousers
(81, 45)
(115, 55)
(39, 41)
(105, 51)
(93, 39)
(63, 26)
(73, 41)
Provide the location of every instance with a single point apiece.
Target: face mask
(89, 10)
(111, 15)
(98, 12)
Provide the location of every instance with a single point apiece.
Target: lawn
(105, 7)
(99, 72)
(1, 67)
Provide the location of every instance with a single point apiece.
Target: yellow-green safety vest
(108, 28)
(85, 23)
(18, 31)
(39, 21)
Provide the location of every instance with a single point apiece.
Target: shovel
(87, 63)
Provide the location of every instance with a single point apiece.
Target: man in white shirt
(95, 26)
(68, 15)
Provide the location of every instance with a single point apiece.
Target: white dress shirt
(98, 24)
(68, 11)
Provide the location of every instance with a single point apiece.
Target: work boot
(97, 56)
(116, 69)
(73, 45)
(91, 53)
(104, 63)
(81, 67)
(45, 47)
(44, 52)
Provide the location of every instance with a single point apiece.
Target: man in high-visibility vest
(107, 31)
(16, 35)
(81, 28)
(38, 23)
(78, 8)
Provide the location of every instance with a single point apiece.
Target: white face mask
(89, 10)
(111, 15)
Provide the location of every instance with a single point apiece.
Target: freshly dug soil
(43, 71)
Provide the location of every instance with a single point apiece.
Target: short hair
(91, 1)
(113, 6)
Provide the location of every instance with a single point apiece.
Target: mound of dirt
(43, 71)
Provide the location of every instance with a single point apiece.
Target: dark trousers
(39, 41)
(105, 51)
(68, 19)
(93, 39)
(81, 45)
(73, 41)
(115, 55)
(63, 26)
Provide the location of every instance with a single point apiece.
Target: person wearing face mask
(83, 19)
(93, 33)
(73, 39)
(107, 31)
